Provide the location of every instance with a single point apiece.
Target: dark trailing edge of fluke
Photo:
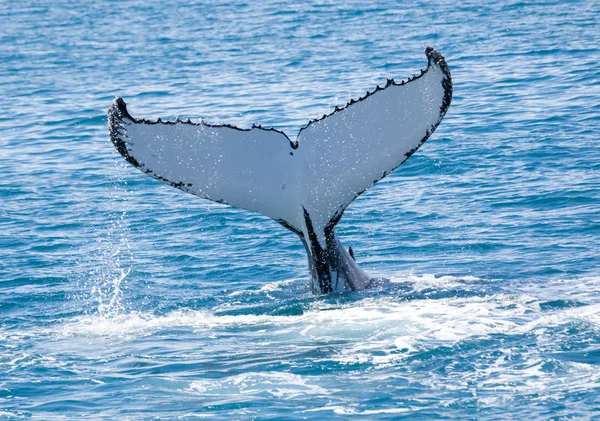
(433, 57)
(118, 111)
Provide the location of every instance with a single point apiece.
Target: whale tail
(304, 185)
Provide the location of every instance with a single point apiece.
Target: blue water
(124, 299)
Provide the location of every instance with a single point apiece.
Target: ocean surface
(122, 298)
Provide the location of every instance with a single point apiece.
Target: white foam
(428, 281)
(505, 380)
(137, 323)
(386, 411)
(381, 331)
(349, 410)
(382, 323)
(281, 385)
(12, 414)
(336, 409)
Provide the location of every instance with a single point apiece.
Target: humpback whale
(305, 184)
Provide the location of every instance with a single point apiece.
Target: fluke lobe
(304, 185)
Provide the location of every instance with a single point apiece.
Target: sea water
(124, 299)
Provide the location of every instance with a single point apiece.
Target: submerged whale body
(304, 185)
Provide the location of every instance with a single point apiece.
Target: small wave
(137, 323)
(266, 289)
(281, 385)
(12, 415)
(428, 281)
(349, 410)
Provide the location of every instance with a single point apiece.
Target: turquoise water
(124, 299)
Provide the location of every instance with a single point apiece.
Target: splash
(107, 259)
(109, 295)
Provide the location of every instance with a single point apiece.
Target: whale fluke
(306, 184)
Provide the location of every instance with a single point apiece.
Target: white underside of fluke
(335, 158)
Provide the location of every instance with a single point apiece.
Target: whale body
(305, 184)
